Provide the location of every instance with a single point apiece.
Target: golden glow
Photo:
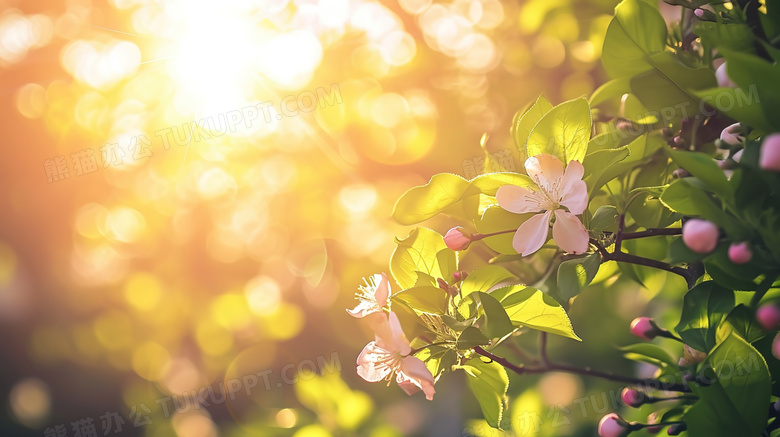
(197, 262)
(150, 361)
(30, 401)
(286, 418)
(143, 291)
(213, 53)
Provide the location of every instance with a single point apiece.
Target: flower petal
(569, 233)
(532, 234)
(382, 289)
(407, 385)
(397, 341)
(575, 197)
(545, 170)
(362, 309)
(573, 173)
(378, 323)
(517, 199)
(414, 370)
(372, 363)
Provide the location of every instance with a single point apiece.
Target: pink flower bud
(644, 327)
(457, 239)
(769, 156)
(676, 429)
(723, 78)
(768, 316)
(740, 253)
(459, 275)
(699, 12)
(632, 398)
(613, 425)
(776, 346)
(700, 236)
(731, 135)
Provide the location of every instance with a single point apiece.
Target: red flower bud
(700, 236)
(457, 239)
(769, 156)
(740, 253)
(613, 425)
(632, 398)
(644, 327)
(768, 316)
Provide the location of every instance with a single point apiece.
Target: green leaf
(420, 252)
(722, 270)
(488, 382)
(529, 307)
(576, 274)
(470, 338)
(742, 322)
(603, 166)
(483, 278)
(667, 88)
(564, 132)
(455, 324)
(753, 73)
(426, 299)
(703, 167)
(497, 219)
(679, 253)
(496, 323)
(604, 219)
(741, 105)
(637, 29)
(610, 90)
(649, 353)
(524, 122)
(446, 190)
(704, 307)
(737, 404)
(732, 36)
(683, 197)
(437, 359)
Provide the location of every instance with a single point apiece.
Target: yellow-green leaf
(564, 132)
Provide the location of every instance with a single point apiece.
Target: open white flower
(561, 193)
(372, 296)
(389, 355)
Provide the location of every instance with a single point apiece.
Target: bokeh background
(133, 269)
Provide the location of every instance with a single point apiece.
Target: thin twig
(520, 370)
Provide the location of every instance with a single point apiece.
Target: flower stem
(438, 343)
(653, 232)
(652, 400)
(689, 276)
(619, 235)
(477, 237)
(550, 367)
(543, 348)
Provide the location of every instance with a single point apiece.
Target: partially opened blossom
(388, 355)
(557, 192)
(372, 296)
